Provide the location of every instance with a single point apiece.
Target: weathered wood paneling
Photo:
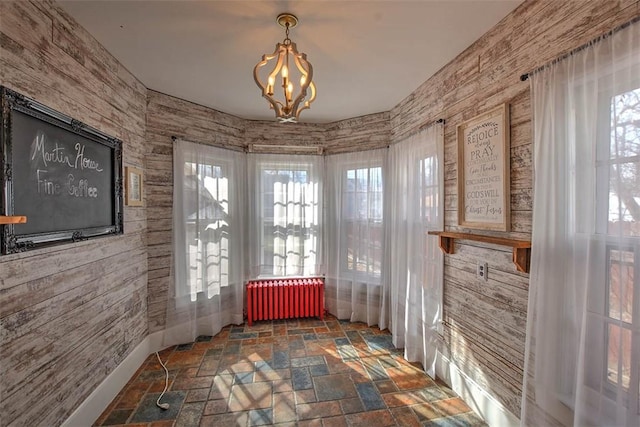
(486, 321)
(274, 133)
(359, 134)
(166, 117)
(69, 314)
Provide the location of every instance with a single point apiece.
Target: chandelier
(291, 99)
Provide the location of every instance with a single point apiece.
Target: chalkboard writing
(64, 176)
(483, 171)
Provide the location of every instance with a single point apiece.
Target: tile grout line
(361, 373)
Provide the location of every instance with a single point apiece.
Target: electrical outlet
(482, 271)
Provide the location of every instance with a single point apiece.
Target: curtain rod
(214, 144)
(421, 127)
(598, 39)
(322, 152)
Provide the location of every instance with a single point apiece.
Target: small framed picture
(133, 190)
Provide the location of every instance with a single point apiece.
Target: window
(289, 214)
(618, 199)
(207, 222)
(354, 238)
(362, 220)
(582, 329)
(208, 239)
(429, 189)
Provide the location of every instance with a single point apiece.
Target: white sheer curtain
(414, 267)
(583, 332)
(209, 198)
(354, 235)
(285, 211)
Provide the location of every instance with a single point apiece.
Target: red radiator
(285, 299)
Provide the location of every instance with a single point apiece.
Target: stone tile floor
(303, 372)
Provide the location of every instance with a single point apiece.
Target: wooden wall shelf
(12, 219)
(521, 248)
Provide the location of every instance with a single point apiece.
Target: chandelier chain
(287, 40)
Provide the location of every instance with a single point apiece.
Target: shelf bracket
(522, 259)
(446, 244)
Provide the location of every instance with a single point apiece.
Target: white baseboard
(89, 410)
(478, 399)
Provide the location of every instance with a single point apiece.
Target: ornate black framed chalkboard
(64, 176)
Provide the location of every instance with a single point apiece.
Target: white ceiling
(367, 55)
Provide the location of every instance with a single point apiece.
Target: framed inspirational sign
(484, 172)
(64, 176)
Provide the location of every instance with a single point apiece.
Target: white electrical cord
(166, 385)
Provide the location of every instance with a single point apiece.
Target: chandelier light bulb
(272, 80)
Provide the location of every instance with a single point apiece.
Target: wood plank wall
(486, 321)
(69, 314)
(358, 134)
(273, 133)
